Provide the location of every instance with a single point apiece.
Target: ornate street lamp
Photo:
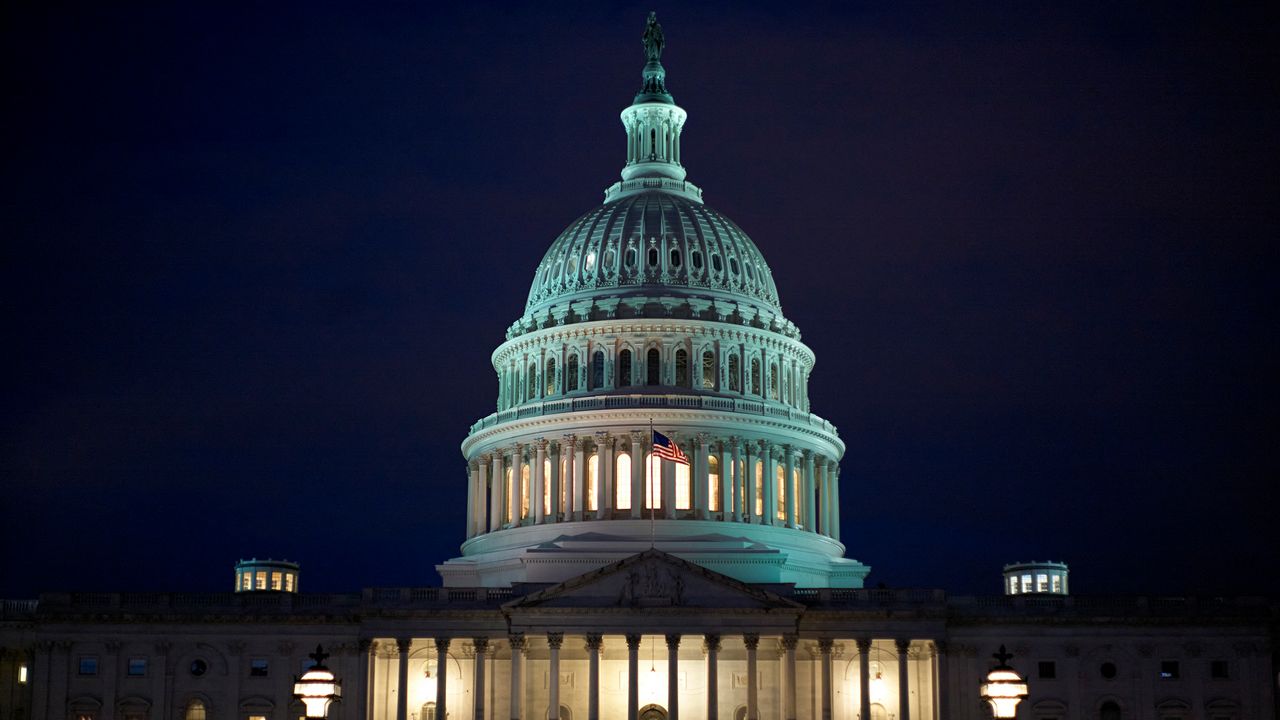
(317, 687)
(1004, 687)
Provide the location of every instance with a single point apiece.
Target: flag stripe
(664, 448)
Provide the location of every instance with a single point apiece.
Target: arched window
(682, 368)
(755, 376)
(428, 711)
(524, 490)
(652, 481)
(593, 478)
(759, 510)
(735, 374)
(195, 710)
(675, 258)
(630, 257)
(546, 486)
(624, 368)
(684, 487)
(571, 373)
(597, 370)
(506, 492)
(531, 381)
(780, 482)
(773, 381)
(797, 491)
(622, 482)
(708, 370)
(653, 367)
(713, 483)
(549, 380)
(653, 257)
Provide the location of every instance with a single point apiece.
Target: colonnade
(714, 694)
(597, 477)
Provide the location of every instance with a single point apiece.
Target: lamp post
(317, 687)
(1004, 688)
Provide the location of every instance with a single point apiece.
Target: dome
(657, 243)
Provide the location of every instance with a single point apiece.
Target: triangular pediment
(654, 579)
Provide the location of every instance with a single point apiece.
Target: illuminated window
(1013, 585)
(755, 376)
(588, 265)
(246, 581)
(257, 717)
(506, 491)
(713, 483)
(531, 382)
(624, 368)
(708, 370)
(137, 667)
(549, 379)
(780, 488)
(260, 580)
(759, 488)
(195, 711)
(622, 482)
(735, 374)
(1026, 583)
(682, 487)
(524, 490)
(88, 665)
(276, 582)
(1057, 583)
(597, 370)
(652, 481)
(682, 368)
(653, 367)
(22, 673)
(593, 475)
(546, 485)
(773, 381)
(1042, 583)
(259, 667)
(798, 512)
(571, 373)
(288, 582)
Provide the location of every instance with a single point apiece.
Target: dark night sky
(255, 261)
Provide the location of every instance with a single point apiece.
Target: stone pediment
(654, 579)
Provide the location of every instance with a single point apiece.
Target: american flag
(667, 450)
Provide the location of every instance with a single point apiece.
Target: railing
(16, 609)
(868, 596)
(679, 402)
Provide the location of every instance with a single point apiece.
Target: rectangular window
(261, 580)
(257, 717)
(288, 582)
(88, 665)
(22, 673)
(1013, 585)
(1026, 583)
(1048, 670)
(1042, 583)
(246, 581)
(137, 667)
(259, 667)
(1219, 670)
(1057, 583)
(1169, 670)
(276, 583)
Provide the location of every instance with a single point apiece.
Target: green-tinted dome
(655, 243)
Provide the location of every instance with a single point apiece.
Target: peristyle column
(442, 675)
(595, 643)
(828, 695)
(673, 676)
(481, 645)
(864, 675)
(637, 476)
(712, 644)
(402, 704)
(752, 641)
(539, 482)
(904, 692)
(789, 677)
(517, 684)
(633, 676)
(554, 640)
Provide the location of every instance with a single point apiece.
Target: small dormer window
(695, 259)
(589, 263)
(631, 257)
(733, 266)
(653, 257)
(716, 264)
(675, 257)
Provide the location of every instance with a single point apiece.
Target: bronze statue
(653, 40)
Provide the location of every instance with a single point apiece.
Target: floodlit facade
(599, 580)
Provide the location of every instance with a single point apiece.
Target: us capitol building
(599, 580)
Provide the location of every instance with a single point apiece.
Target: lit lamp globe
(317, 688)
(1004, 688)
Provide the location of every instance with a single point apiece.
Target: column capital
(825, 645)
(789, 642)
(864, 645)
(637, 436)
(603, 437)
(903, 644)
(734, 443)
(595, 642)
(442, 645)
(541, 443)
(703, 438)
(367, 645)
(516, 640)
(485, 458)
(751, 640)
(711, 642)
(481, 644)
(673, 641)
(633, 641)
(555, 640)
(403, 644)
(569, 440)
